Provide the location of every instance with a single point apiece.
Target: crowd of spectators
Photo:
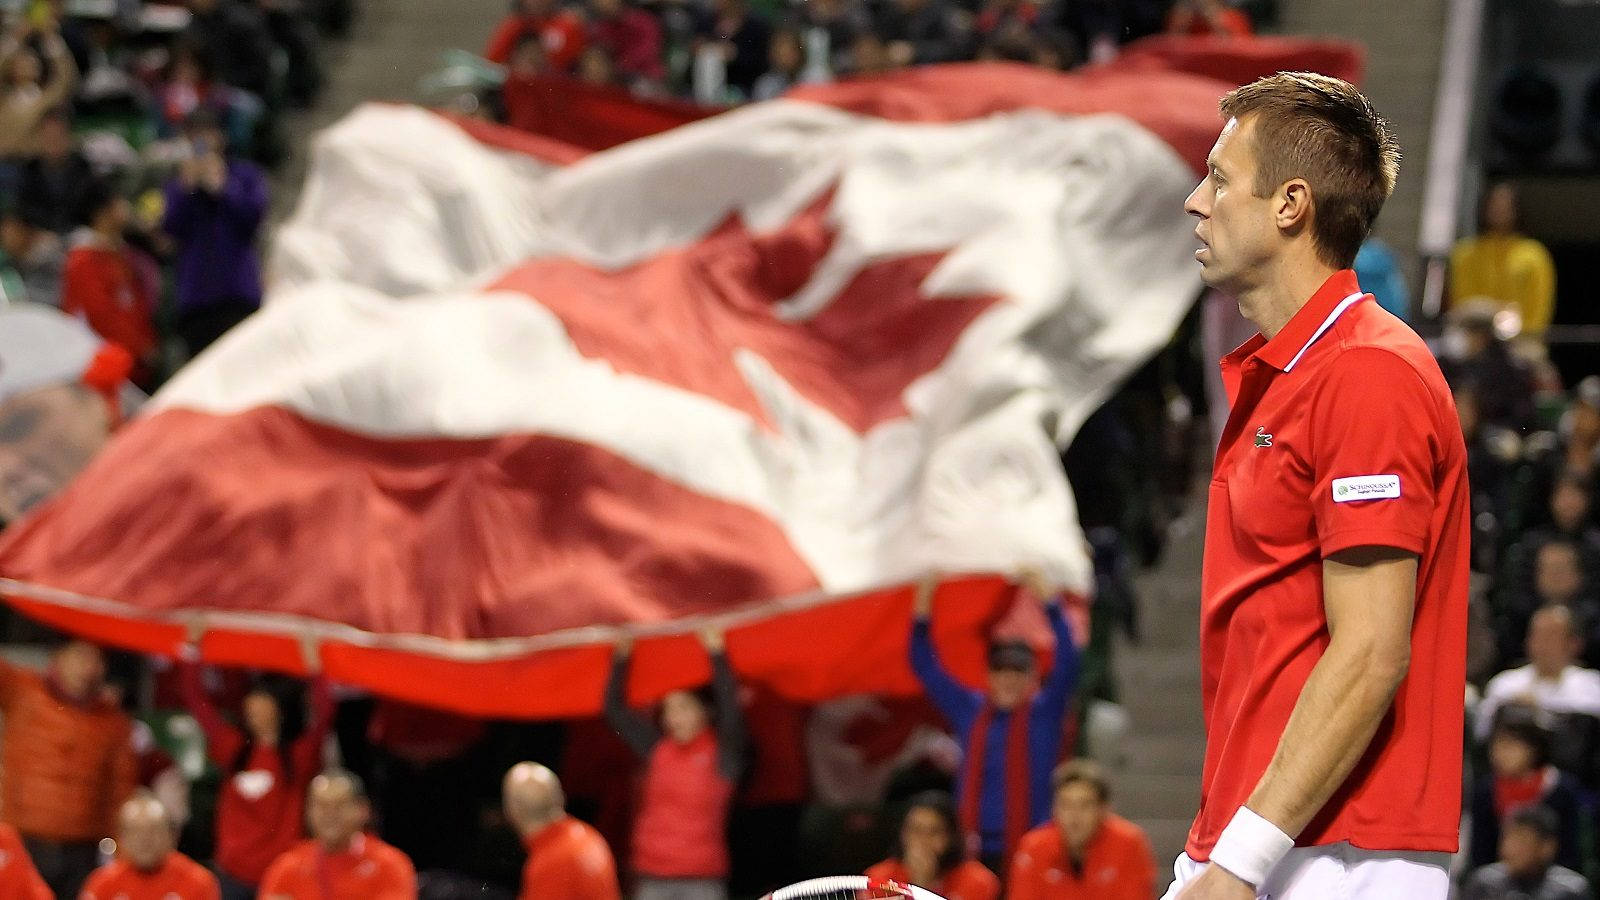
(133, 140)
(732, 51)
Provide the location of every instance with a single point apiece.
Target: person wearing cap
(1010, 734)
(148, 865)
(1527, 866)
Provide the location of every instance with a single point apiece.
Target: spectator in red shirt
(1203, 17)
(101, 282)
(262, 798)
(930, 853)
(567, 859)
(633, 38)
(559, 31)
(147, 866)
(19, 880)
(341, 861)
(1087, 851)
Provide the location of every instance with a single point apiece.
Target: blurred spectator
(261, 803)
(567, 859)
(214, 209)
(1526, 869)
(869, 55)
(1520, 775)
(1103, 25)
(36, 256)
(1503, 265)
(1378, 271)
(188, 88)
(1581, 448)
(1477, 356)
(292, 30)
(1006, 16)
(27, 89)
(105, 283)
(1551, 681)
(560, 33)
(740, 38)
(1087, 852)
(679, 846)
(68, 762)
(930, 853)
(20, 880)
(632, 37)
(1202, 17)
(787, 57)
(1010, 734)
(340, 861)
(232, 38)
(596, 66)
(1559, 579)
(527, 59)
(919, 32)
(835, 24)
(148, 864)
(1492, 453)
(51, 184)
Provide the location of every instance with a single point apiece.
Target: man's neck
(1544, 673)
(1271, 303)
(348, 845)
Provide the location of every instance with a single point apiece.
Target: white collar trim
(1327, 323)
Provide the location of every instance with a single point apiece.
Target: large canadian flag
(509, 400)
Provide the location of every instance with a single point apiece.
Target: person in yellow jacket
(1503, 265)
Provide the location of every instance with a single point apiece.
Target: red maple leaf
(679, 316)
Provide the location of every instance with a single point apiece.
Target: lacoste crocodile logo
(1262, 438)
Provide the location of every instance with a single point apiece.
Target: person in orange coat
(147, 866)
(19, 880)
(567, 859)
(929, 853)
(68, 761)
(340, 861)
(1087, 851)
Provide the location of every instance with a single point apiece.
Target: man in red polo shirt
(147, 866)
(341, 861)
(1334, 596)
(567, 859)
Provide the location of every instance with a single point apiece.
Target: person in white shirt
(1551, 681)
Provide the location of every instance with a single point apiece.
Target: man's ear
(1293, 205)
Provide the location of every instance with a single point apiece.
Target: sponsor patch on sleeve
(1366, 487)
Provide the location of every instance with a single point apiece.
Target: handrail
(1448, 146)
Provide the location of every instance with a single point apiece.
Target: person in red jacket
(930, 853)
(148, 867)
(341, 861)
(262, 801)
(1087, 851)
(19, 880)
(559, 31)
(101, 282)
(567, 859)
(680, 847)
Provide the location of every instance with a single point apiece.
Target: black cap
(1013, 655)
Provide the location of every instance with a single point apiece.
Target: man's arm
(636, 730)
(955, 700)
(1368, 594)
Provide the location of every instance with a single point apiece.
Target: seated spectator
(1559, 579)
(560, 33)
(680, 845)
(1004, 16)
(869, 55)
(597, 67)
(929, 853)
(1208, 17)
(234, 41)
(567, 859)
(18, 878)
(1087, 852)
(787, 57)
(188, 88)
(1378, 270)
(920, 32)
(1526, 869)
(36, 256)
(27, 91)
(632, 37)
(51, 185)
(1503, 265)
(294, 34)
(835, 23)
(68, 762)
(742, 36)
(148, 865)
(1476, 356)
(214, 209)
(261, 802)
(1580, 451)
(340, 861)
(999, 799)
(1551, 681)
(103, 282)
(1520, 775)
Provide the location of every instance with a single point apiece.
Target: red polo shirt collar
(1315, 317)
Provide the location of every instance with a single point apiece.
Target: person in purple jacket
(214, 209)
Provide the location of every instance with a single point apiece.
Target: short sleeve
(1374, 442)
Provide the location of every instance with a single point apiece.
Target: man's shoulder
(1044, 837)
(298, 855)
(388, 855)
(1370, 333)
(1123, 832)
(105, 876)
(1509, 681)
(192, 871)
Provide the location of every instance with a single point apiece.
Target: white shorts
(1342, 872)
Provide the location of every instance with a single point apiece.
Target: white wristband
(1250, 846)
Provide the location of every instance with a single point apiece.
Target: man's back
(1494, 882)
(569, 861)
(369, 870)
